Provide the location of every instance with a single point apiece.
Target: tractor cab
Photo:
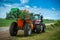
(37, 19)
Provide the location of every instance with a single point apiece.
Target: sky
(50, 9)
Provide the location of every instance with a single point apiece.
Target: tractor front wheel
(38, 29)
(13, 29)
(27, 29)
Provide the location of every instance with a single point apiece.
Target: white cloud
(3, 11)
(12, 5)
(53, 8)
(7, 5)
(24, 1)
(47, 13)
(27, 6)
(48, 17)
(7, 8)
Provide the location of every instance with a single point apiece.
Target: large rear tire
(13, 29)
(44, 28)
(27, 29)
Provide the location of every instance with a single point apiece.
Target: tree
(16, 13)
(13, 13)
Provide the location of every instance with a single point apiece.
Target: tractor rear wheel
(27, 29)
(44, 28)
(13, 29)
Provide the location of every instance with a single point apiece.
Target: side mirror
(41, 18)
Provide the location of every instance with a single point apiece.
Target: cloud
(27, 6)
(24, 1)
(7, 5)
(6, 9)
(53, 8)
(47, 13)
(48, 17)
(3, 11)
(2, 2)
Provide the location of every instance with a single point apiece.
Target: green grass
(48, 21)
(5, 22)
(48, 35)
(55, 36)
(52, 33)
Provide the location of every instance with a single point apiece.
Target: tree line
(16, 13)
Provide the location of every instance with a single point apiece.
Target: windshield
(36, 17)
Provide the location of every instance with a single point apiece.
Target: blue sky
(50, 9)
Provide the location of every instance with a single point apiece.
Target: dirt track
(4, 35)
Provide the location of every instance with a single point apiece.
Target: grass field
(49, 21)
(50, 34)
(52, 31)
(5, 22)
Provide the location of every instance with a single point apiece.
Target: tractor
(30, 23)
(38, 24)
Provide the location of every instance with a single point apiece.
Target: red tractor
(34, 23)
(39, 26)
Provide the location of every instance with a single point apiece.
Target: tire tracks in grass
(42, 36)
